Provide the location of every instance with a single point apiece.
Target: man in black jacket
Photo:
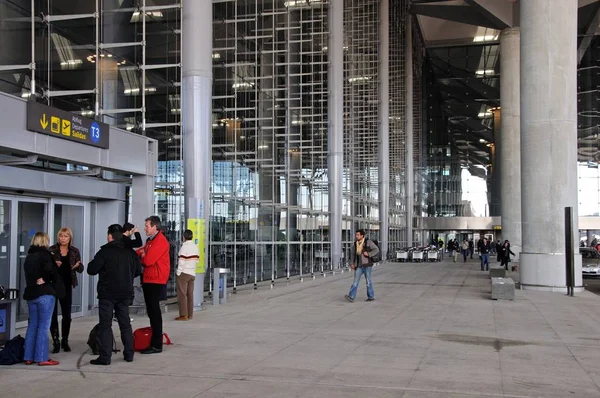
(116, 266)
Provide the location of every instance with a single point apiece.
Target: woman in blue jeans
(40, 273)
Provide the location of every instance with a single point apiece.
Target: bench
(497, 271)
(503, 289)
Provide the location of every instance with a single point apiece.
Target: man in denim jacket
(363, 252)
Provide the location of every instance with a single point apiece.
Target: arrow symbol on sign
(44, 121)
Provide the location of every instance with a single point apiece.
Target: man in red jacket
(157, 266)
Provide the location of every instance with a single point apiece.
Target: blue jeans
(485, 260)
(359, 272)
(36, 339)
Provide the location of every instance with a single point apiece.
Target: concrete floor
(432, 332)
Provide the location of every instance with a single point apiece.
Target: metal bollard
(220, 286)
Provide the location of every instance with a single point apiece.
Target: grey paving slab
(432, 332)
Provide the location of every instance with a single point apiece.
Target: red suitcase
(143, 336)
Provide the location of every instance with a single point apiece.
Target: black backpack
(376, 258)
(94, 341)
(13, 351)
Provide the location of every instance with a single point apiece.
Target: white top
(188, 258)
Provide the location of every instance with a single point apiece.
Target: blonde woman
(40, 273)
(68, 261)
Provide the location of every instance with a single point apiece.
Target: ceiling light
(242, 85)
(483, 72)
(485, 38)
(483, 115)
(359, 79)
(71, 62)
(263, 147)
(482, 141)
(216, 56)
(303, 3)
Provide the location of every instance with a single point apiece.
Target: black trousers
(65, 308)
(504, 263)
(152, 293)
(120, 308)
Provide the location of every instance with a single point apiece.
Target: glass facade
(119, 61)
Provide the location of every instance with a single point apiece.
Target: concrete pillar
(384, 125)
(548, 140)
(196, 111)
(510, 138)
(410, 173)
(335, 129)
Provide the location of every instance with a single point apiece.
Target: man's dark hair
(128, 227)
(155, 222)
(116, 231)
(361, 231)
(188, 234)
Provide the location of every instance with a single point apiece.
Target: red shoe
(29, 362)
(49, 362)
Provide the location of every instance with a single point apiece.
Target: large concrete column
(410, 172)
(196, 111)
(510, 138)
(548, 140)
(384, 125)
(495, 191)
(335, 129)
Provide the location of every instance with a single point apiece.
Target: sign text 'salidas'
(66, 125)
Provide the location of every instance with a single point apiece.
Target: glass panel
(31, 218)
(71, 217)
(5, 243)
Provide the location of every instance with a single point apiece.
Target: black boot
(65, 345)
(66, 329)
(56, 343)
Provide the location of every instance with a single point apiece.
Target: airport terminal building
(278, 128)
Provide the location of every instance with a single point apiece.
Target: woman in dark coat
(504, 254)
(68, 261)
(40, 275)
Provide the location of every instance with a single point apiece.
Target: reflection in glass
(31, 218)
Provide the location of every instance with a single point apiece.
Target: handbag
(143, 336)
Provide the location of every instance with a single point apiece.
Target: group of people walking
(51, 276)
(485, 248)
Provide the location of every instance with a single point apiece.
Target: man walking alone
(117, 266)
(364, 251)
(157, 266)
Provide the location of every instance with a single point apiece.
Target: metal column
(409, 171)
(335, 129)
(384, 126)
(196, 108)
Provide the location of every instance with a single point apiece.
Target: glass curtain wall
(461, 89)
(361, 118)
(269, 190)
(119, 61)
(588, 103)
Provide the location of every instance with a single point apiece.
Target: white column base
(546, 272)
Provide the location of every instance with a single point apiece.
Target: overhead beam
(461, 14)
(590, 32)
(484, 8)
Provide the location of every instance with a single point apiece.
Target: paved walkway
(432, 332)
